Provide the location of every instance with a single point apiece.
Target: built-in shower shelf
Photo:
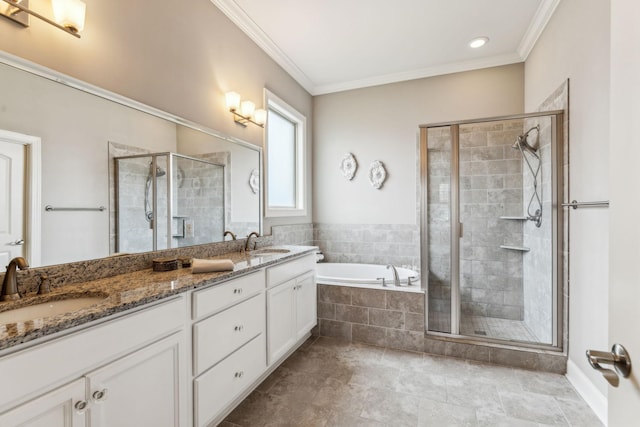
(515, 248)
(514, 218)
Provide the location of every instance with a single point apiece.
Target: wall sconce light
(245, 111)
(68, 15)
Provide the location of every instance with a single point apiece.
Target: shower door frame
(170, 158)
(456, 228)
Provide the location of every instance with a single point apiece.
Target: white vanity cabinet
(129, 371)
(229, 350)
(291, 305)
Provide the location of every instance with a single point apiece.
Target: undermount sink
(49, 308)
(270, 251)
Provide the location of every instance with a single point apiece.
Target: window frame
(279, 106)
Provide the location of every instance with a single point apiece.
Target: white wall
(575, 45)
(381, 123)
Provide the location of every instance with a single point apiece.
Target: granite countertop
(127, 291)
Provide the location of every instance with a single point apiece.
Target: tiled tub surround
(396, 244)
(386, 318)
(126, 291)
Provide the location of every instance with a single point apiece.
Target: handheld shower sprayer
(522, 145)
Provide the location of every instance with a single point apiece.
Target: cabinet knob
(81, 405)
(99, 395)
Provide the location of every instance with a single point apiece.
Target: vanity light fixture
(245, 111)
(478, 42)
(68, 15)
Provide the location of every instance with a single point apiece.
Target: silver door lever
(618, 357)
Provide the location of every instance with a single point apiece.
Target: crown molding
(239, 17)
(536, 27)
(454, 67)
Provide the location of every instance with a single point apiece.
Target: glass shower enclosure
(492, 230)
(167, 200)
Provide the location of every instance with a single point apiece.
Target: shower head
(159, 171)
(522, 144)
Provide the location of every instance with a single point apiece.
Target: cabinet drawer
(291, 269)
(220, 335)
(219, 386)
(213, 299)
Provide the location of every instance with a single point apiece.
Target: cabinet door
(141, 389)
(281, 320)
(306, 306)
(54, 409)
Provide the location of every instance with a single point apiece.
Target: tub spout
(396, 278)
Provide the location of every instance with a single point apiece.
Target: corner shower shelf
(515, 248)
(514, 218)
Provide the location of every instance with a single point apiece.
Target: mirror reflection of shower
(148, 209)
(531, 156)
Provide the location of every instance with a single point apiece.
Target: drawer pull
(239, 374)
(238, 328)
(99, 395)
(80, 406)
(237, 291)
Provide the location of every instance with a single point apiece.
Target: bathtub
(365, 276)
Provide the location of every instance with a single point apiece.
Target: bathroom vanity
(162, 349)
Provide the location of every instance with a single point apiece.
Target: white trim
(438, 70)
(33, 194)
(536, 27)
(239, 17)
(585, 388)
(272, 101)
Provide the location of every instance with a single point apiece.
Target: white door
(281, 320)
(624, 259)
(306, 305)
(63, 407)
(12, 194)
(142, 389)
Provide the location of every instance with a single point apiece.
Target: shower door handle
(460, 230)
(617, 357)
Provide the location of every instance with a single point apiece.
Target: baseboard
(594, 398)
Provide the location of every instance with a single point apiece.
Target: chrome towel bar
(50, 208)
(575, 204)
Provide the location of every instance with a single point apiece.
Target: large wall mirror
(104, 176)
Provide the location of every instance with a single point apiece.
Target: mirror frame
(71, 82)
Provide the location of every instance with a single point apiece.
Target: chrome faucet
(229, 233)
(246, 244)
(396, 278)
(9, 290)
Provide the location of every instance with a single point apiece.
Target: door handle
(18, 242)
(617, 357)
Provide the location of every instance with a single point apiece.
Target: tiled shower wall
(490, 190)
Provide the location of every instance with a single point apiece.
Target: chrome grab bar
(575, 204)
(618, 357)
(50, 208)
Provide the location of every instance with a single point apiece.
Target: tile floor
(330, 382)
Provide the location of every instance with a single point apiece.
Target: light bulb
(69, 14)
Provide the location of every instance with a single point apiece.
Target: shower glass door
(492, 226)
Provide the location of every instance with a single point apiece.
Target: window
(284, 158)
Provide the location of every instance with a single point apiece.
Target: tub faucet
(246, 244)
(9, 290)
(396, 278)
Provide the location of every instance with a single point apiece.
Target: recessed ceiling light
(478, 42)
